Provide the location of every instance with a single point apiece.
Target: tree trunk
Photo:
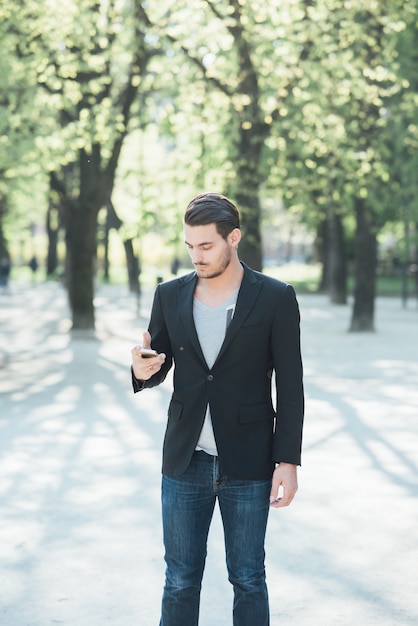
(250, 246)
(336, 265)
(106, 261)
(321, 254)
(247, 195)
(4, 252)
(52, 229)
(133, 266)
(81, 262)
(112, 221)
(81, 227)
(252, 131)
(415, 264)
(364, 269)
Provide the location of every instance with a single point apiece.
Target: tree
(241, 53)
(305, 103)
(96, 60)
(53, 226)
(402, 144)
(19, 162)
(335, 156)
(382, 87)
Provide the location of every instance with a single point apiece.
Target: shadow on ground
(80, 473)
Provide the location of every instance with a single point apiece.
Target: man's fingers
(282, 497)
(276, 492)
(146, 340)
(281, 501)
(284, 485)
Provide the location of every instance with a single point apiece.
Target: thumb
(146, 339)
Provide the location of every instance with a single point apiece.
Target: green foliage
(332, 142)
(314, 102)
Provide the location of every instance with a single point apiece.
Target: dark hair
(212, 208)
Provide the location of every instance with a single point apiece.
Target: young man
(226, 328)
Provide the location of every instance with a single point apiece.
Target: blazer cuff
(137, 384)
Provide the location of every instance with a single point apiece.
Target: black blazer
(263, 337)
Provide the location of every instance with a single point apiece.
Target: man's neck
(214, 291)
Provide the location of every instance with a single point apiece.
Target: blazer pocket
(175, 409)
(255, 413)
(253, 324)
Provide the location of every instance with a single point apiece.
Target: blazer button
(210, 377)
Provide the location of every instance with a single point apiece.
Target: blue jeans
(187, 504)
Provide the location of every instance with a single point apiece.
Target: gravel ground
(80, 536)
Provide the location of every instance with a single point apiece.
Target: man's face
(209, 251)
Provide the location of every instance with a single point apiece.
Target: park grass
(304, 277)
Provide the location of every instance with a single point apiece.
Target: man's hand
(144, 368)
(285, 481)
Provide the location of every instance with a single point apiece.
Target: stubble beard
(218, 271)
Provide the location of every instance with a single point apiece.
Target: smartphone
(147, 353)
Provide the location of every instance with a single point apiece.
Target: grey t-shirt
(211, 324)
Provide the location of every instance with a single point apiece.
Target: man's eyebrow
(201, 243)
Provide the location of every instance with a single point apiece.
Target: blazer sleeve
(286, 345)
(159, 341)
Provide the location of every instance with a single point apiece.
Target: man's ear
(234, 237)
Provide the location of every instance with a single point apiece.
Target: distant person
(175, 265)
(226, 328)
(33, 264)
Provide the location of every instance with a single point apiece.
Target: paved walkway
(80, 538)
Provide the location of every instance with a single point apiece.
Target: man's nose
(197, 257)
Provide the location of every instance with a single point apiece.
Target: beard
(213, 270)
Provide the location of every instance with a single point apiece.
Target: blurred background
(115, 113)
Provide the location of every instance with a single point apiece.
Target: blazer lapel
(185, 296)
(247, 296)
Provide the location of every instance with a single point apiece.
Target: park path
(80, 537)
